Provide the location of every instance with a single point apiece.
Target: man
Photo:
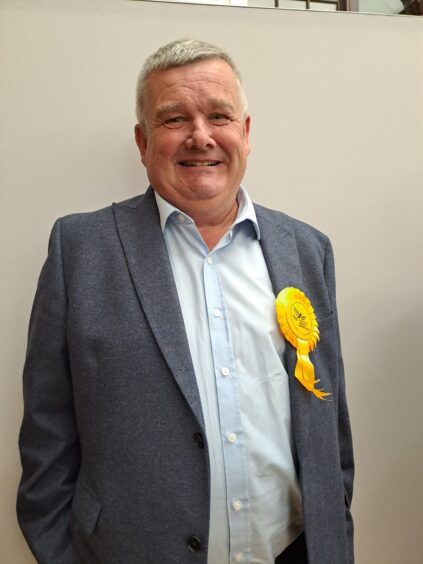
(163, 423)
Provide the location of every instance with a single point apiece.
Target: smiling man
(169, 417)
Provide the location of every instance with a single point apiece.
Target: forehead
(210, 79)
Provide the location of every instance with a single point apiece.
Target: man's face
(195, 144)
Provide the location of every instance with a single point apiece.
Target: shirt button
(209, 260)
(217, 312)
(194, 544)
(225, 371)
(181, 218)
(232, 437)
(238, 557)
(237, 505)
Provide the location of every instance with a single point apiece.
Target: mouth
(199, 163)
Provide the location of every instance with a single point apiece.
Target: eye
(219, 119)
(174, 122)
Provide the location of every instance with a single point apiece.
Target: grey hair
(178, 54)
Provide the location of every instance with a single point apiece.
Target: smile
(199, 163)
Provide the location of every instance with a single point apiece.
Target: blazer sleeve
(344, 427)
(48, 440)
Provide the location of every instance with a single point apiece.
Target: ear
(141, 141)
(247, 124)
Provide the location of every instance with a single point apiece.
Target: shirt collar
(245, 211)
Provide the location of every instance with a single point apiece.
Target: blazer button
(198, 439)
(194, 544)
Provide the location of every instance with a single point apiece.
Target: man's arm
(48, 441)
(344, 428)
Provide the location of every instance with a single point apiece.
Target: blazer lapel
(281, 255)
(143, 243)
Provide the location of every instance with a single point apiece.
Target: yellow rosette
(299, 326)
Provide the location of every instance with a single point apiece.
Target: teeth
(199, 163)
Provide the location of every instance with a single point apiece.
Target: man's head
(178, 54)
(193, 127)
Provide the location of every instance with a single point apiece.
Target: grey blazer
(113, 447)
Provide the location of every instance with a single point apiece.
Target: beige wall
(337, 140)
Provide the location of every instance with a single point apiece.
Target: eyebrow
(167, 109)
(217, 103)
(221, 104)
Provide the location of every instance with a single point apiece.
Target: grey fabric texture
(112, 473)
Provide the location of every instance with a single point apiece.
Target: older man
(163, 422)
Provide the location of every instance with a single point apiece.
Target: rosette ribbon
(299, 326)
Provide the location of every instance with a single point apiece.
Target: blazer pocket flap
(86, 508)
(326, 323)
(347, 499)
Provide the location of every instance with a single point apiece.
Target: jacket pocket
(326, 323)
(347, 499)
(85, 508)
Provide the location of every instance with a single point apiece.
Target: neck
(212, 233)
(211, 217)
(213, 224)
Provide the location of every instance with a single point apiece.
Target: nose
(200, 136)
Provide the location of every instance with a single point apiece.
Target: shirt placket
(232, 436)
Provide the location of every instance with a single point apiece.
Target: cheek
(236, 143)
(167, 148)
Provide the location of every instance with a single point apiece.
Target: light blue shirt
(228, 307)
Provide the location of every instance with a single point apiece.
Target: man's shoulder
(94, 229)
(98, 216)
(100, 221)
(301, 230)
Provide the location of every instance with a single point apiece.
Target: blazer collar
(138, 226)
(279, 249)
